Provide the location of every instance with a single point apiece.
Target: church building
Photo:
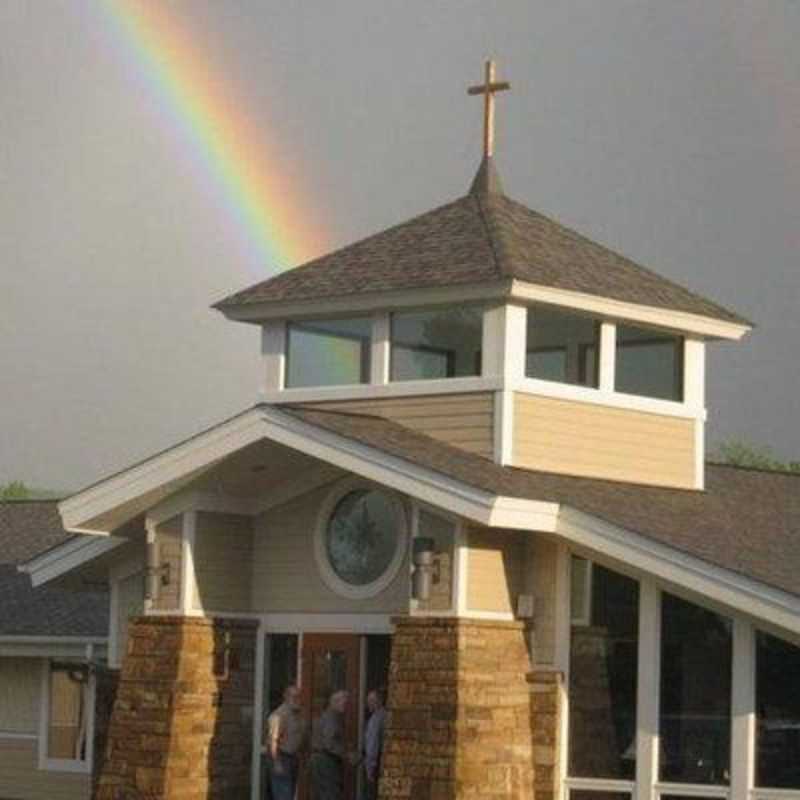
(476, 475)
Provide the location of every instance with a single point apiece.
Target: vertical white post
(150, 538)
(647, 693)
(743, 710)
(91, 702)
(273, 354)
(380, 349)
(188, 574)
(461, 570)
(258, 713)
(694, 373)
(563, 633)
(113, 621)
(607, 363)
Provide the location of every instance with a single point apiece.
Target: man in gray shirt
(328, 750)
(373, 743)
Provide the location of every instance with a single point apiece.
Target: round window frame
(328, 574)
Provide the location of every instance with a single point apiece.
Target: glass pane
(442, 531)
(649, 363)
(695, 720)
(562, 347)
(778, 713)
(328, 352)
(436, 344)
(589, 794)
(603, 661)
(67, 724)
(362, 537)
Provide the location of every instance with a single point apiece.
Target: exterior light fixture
(425, 568)
(156, 575)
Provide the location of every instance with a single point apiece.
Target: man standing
(373, 743)
(286, 734)
(328, 751)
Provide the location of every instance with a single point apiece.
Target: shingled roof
(483, 238)
(27, 529)
(747, 521)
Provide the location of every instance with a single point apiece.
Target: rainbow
(259, 202)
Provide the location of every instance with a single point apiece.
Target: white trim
(188, 575)
(273, 355)
(674, 566)
(648, 683)
(607, 366)
(694, 372)
(561, 658)
(680, 321)
(193, 500)
(325, 568)
(380, 349)
(743, 709)
(691, 790)
(699, 454)
(499, 616)
(68, 556)
(600, 785)
(462, 563)
(776, 794)
(290, 622)
(627, 402)
(28, 737)
(265, 422)
(374, 301)
(368, 391)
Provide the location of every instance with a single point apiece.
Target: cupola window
(436, 344)
(649, 363)
(562, 347)
(328, 352)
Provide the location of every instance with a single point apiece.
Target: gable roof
(746, 521)
(27, 529)
(483, 238)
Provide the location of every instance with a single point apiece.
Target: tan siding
(463, 420)
(168, 537)
(223, 562)
(20, 778)
(285, 574)
(20, 684)
(595, 441)
(495, 571)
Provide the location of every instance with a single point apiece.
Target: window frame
(71, 765)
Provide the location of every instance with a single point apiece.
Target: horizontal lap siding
(20, 778)
(223, 562)
(20, 685)
(594, 441)
(495, 570)
(285, 573)
(462, 420)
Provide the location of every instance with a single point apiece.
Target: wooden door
(331, 662)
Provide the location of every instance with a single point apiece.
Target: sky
(669, 132)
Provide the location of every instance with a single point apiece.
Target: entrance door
(331, 662)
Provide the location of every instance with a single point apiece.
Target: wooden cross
(488, 89)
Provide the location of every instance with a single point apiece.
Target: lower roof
(747, 521)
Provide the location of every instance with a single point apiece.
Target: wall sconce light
(426, 568)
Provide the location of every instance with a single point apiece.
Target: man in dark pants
(373, 743)
(328, 751)
(286, 736)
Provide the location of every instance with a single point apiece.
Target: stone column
(181, 725)
(459, 723)
(546, 709)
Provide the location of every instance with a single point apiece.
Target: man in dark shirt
(373, 743)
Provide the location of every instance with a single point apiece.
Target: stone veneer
(460, 712)
(181, 725)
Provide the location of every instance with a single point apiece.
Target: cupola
(489, 326)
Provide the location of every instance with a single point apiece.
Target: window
(562, 347)
(361, 540)
(67, 718)
(777, 713)
(695, 717)
(602, 675)
(649, 363)
(328, 352)
(436, 344)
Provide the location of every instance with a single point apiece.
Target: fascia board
(723, 586)
(68, 557)
(681, 321)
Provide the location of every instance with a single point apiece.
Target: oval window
(362, 537)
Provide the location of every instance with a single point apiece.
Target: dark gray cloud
(669, 131)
